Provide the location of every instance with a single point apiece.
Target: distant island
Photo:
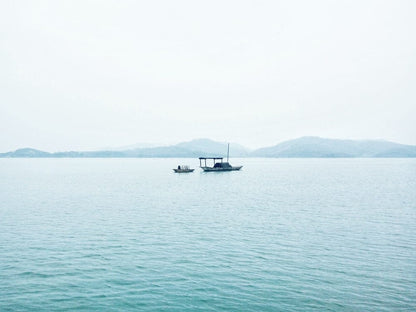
(304, 147)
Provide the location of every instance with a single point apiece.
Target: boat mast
(228, 151)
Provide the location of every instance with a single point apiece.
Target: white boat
(183, 169)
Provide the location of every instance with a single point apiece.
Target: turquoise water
(280, 235)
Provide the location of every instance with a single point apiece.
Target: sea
(129, 234)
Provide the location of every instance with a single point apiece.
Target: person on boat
(179, 167)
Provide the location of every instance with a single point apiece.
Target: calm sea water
(280, 235)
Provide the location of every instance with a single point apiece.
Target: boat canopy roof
(211, 158)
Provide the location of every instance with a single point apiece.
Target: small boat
(183, 169)
(219, 164)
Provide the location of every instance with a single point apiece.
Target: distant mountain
(320, 147)
(302, 147)
(207, 148)
(26, 153)
(195, 148)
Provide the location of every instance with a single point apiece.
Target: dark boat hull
(213, 169)
(183, 170)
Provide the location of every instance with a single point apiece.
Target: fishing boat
(218, 163)
(183, 169)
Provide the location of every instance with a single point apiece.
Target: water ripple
(282, 235)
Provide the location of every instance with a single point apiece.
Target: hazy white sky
(80, 75)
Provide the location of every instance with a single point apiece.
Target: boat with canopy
(218, 163)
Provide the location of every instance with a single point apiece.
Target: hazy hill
(302, 147)
(26, 152)
(194, 148)
(207, 147)
(320, 147)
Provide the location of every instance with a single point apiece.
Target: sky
(81, 75)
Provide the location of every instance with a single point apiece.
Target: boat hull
(183, 170)
(211, 169)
